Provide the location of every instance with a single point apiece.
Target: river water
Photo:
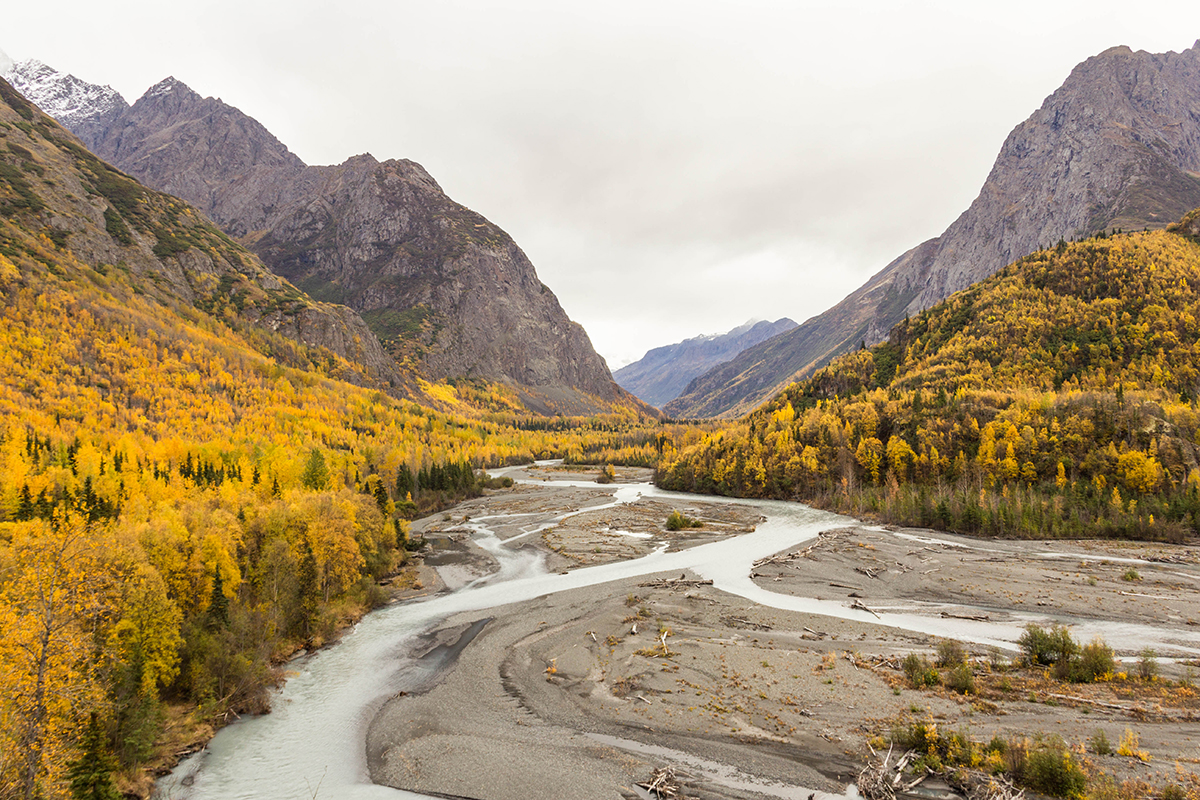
(312, 743)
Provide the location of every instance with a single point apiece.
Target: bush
(607, 474)
(961, 679)
(502, 482)
(919, 671)
(1050, 769)
(677, 522)
(1099, 744)
(1095, 662)
(950, 653)
(1040, 646)
(1148, 664)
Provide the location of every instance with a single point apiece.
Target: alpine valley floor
(583, 693)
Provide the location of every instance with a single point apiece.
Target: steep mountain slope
(1055, 398)
(450, 294)
(52, 186)
(1117, 146)
(662, 374)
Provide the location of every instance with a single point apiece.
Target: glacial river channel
(312, 743)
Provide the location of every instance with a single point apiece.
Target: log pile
(884, 779)
(674, 583)
(787, 558)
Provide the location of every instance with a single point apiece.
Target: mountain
(83, 108)
(56, 189)
(1116, 146)
(662, 374)
(450, 295)
(1055, 398)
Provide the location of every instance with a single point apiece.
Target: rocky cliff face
(661, 374)
(1118, 145)
(448, 293)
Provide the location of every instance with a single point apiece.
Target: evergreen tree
(218, 607)
(309, 590)
(381, 496)
(91, 773)
(316, 474)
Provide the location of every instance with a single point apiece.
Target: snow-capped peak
(76, 104)
(166, 86)
(6, 63)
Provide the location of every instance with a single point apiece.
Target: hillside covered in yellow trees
(192, 486)
(1055, 399)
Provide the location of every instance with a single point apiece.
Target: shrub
(1131, 574)
(1148, 664)
(961, 679)
(1130, 746)
(677, 522)
(607, 474)
(1044, 647)
(1099, 744)
(919, 671)
(950, 653)
(1095, 662)
(1050, 769)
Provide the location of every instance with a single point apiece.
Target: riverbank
(567, 696)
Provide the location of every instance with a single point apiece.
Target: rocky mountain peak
(1116, 146)
(449, 294)
(170, 87)
(82, 107)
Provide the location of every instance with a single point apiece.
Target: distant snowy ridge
(76, 104)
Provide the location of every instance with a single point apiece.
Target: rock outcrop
(1116, 146)
(662, 374)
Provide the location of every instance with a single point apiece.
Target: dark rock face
(448, 293)
(661, 374)
(1117, 146)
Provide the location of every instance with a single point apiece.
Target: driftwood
(870, 573)
(664, 783)
(672, 583)
(884, 779)
(857, 606)
(744, 624)
(787, 558)
(973, 617)
(845, 586)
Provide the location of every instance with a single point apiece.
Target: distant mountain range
(665, 372)
(450, 295)
(1117, 146)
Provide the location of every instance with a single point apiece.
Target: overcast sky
(671, 168)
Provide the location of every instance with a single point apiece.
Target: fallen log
(973, 617)
(857, 606)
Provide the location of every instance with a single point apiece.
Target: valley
(309, 486)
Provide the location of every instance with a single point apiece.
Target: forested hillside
(1057, 398)
(190, 490)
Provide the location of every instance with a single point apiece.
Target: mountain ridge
(1117, 145)
(663, 372)
(449, 294)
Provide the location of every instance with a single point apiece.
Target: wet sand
(565, 696)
